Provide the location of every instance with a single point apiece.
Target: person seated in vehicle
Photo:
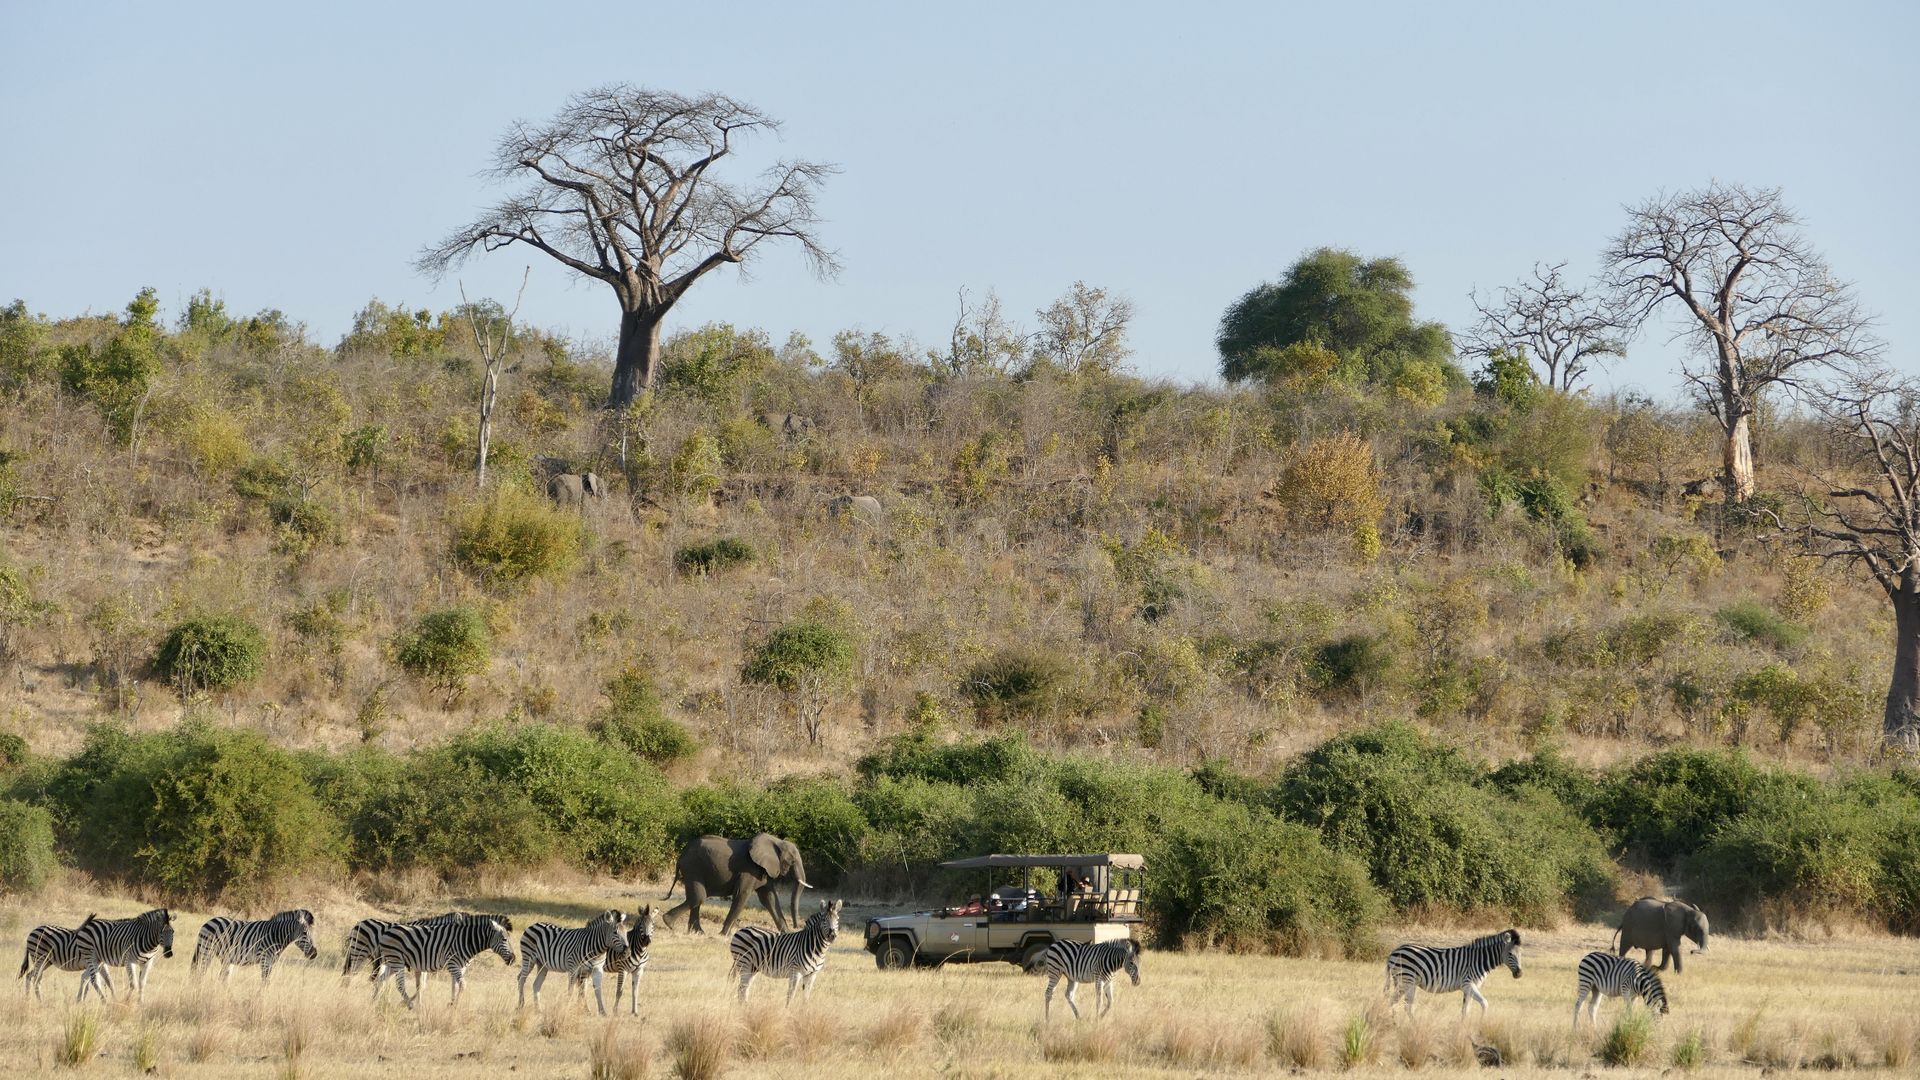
(973, 906)
(1009, 903)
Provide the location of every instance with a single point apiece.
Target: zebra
(582, 952)
(404, 949)
(639, 946)
(796, 957)
(53, 946)
(1602, 973)
(131, 943)
(1442, 971)
(1088, 962)
(228, 941)
(366, 933)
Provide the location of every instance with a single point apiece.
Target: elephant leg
(1676, 950)
(733, 910)
(1648, 962)
(770, 899)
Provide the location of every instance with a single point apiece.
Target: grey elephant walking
(1653, 923)
(718, 866)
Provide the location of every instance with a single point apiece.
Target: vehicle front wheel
(1030, 959)
(893, 955)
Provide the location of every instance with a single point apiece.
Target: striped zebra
(129, 943)
(1442, 971)
(230, 942)
(450, 947)
(581, 951)
(1602, 973)
(54, 946)
(639, 950)
(366, 933)
(796, 957)
(1088, 962)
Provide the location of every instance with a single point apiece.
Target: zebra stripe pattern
(1088, 962)
(1442, 971)
(230, 942)
(574, 950)
(634, 962)
(366, 933)
(416, 950)
(130, 943)
(1602, 973)
(56, 946)
(796, 957)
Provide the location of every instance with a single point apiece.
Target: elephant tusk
(804, 885)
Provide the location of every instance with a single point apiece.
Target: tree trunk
(637, 356)
(489, 393)
(1902, 723)
(1739, 458)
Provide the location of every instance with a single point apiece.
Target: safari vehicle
(1028, 902)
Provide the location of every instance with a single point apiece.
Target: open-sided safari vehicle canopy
(1024, 903)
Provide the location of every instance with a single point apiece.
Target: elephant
(718, 866)
(574, 489)
(789, 426)
(863, 507)
(1660, 924)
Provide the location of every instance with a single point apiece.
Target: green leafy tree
(118, 378)
(445, 648)
(1360, 309)
(803, 660)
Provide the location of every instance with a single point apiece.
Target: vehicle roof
(981, 862)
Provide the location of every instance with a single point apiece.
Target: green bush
(817, 813)
(1015, 684)
(1751, 620)
(800, 655)
(918, 756)
(1664, 807)
(217, 652)
(1572, 786)
(633, 719)
(195, 811)
(1629, 1042)
(26, 847)
(1240, 879)
(1351, 664)
(513, 537)
(713, 556)
(1432, 833)
(445, 648)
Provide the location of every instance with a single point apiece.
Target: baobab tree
(1563, 328)
(1863, 509)
(619, 187)
(1760, 308)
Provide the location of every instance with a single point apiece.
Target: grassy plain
(1839, 1001)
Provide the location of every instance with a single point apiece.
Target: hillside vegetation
(237, 560)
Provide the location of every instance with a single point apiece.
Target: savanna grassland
(1744, 1007)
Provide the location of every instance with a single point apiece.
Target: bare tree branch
(1566, 330)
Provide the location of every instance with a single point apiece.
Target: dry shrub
(815, 1031)
(1629, 1042)
(206, 1041)
(700, 1047)
(80, 1041)
(957, 1020)
(1690, 1051)
(761, 1034)
(1360, 1040)
(1300, 1038)
(898, 1031)
(146, 1049)
(613, 1056)
(560, 1022)
(1891, 1036)
(1418, 1042)
(1094, 1043)
(1209, 1045)
(296, 1036)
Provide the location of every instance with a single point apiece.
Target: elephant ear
(764, 852)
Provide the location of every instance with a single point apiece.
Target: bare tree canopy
(1863, 509)
(1762, 310)
(618, 187)
(1085, 330)
(1563, 328)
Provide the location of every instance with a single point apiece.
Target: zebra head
(827, 919)
(1511, 949)
(608, 935)
(1131, 965)
(640, 935)
(497, 941)
(303, 920)
(1651, 990)
(157, 925)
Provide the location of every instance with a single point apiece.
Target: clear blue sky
(298, 156)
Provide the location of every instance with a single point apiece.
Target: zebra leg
(266, 969)
(1048, 1014)
(1472, 992)
(458, 977)
(1579, 999)
(793, 983)
(539, 979)
(597, 998)
(745, 978)
(1071, 1004)
(1104, 997)
(526, 966)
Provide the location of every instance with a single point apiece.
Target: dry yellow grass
(1818, 1004)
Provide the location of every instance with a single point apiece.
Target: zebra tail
(26, 961)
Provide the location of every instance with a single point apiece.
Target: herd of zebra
(611, 943)
(1463, 968)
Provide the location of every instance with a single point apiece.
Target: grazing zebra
(131, 943)
(1602, 973)
(231, 942)
(639, 947)
(57, 946)
(796, 957)
(1089, 962)
(405, 949)
(579, 951)
(1442, 971)
(366, 933)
